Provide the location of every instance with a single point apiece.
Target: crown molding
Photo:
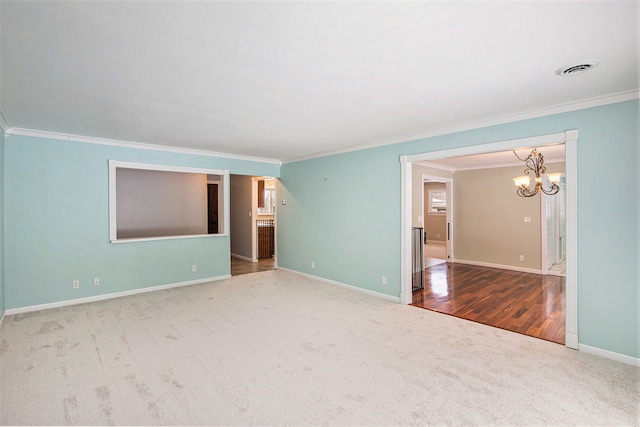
(138, 145)
(557, 109)
(3, 123)
(531, 114)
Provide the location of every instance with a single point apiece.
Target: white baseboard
(242, 257)
(623, 358)
(571, 340)
(504, 267)
(343, 285)
(58, 304)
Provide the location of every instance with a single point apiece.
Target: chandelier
(535, 166)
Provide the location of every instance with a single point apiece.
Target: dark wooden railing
(417, 258)
(266, 237)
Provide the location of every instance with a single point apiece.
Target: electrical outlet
(194, 268)
(521, 257)
(96, 281)
(384, 280)
(76, 284)
(313, 264)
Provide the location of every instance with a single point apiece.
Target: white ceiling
(286, 80)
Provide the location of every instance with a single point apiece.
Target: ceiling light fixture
(577, 68)
(535, 164)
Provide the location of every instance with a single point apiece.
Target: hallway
(240, 266)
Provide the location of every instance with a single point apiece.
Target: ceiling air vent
(577, 68)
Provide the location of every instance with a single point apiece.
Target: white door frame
(543, 233)
(570, 139)
(254, 217)
(449, 215)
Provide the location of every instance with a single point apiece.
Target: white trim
(137, 145)
(623, 358)
(276, 182)
(113, 226)
(164, 168)
(436, 166)
(501, 266)
(531, 114)
(571, 340)
(534, 141)
(544, 236)
(571, 212)
(448, 237)
(76, 301)
(3, 123)
(500, 165)
(186, 236)
(226, 209)
(254, 217)
(343, 285)
(406, 195)
(570, 139)
(2, 318)
(242, 257)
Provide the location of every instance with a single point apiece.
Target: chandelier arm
(531, 166)
(553, 190)
(526, 192)
(541, 167)
(519, 158)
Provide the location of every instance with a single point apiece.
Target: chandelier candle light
(535, 164)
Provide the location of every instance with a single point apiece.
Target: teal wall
(57, 224)
(343, 212)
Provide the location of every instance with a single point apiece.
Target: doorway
(487, 283)
(436, 213)
(554, 231)
(253, 218)
(569, 138)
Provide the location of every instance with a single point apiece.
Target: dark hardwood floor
(240, 266)
(527, 303)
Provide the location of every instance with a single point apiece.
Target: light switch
(527, 219)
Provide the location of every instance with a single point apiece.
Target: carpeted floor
(275, 348)
(435, 249)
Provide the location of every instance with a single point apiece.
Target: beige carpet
(273, 348)
(435, 253)
(435, 249)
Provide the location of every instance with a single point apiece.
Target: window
(149, 201)
(437, 202)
